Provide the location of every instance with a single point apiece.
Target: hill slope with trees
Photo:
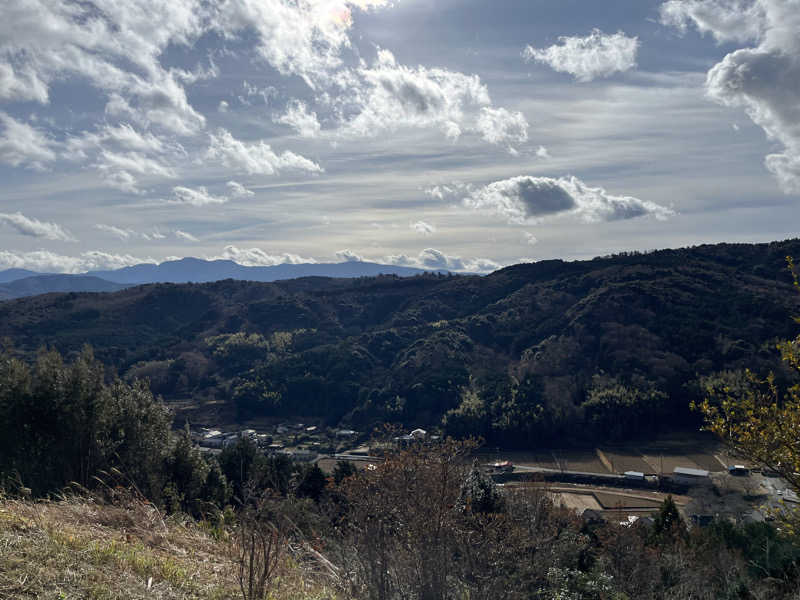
(568, 351)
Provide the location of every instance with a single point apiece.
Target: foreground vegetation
(422, 523)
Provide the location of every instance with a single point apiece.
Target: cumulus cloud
(24, 145)
(185, 236)
(530, 239)
(299, 118)
(433, 259)
(586, 58)
(526, 199)
(195, 196)
(423, 228)
(256, 257)
(348, 256)
(44, 261)
(237, 190)
(390, 95)
(386, 96)
(500, 126)
(35, 228)
(763, 79)
(256, 158)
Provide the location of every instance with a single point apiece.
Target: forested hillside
(573, 351)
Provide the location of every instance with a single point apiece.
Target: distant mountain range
(18, 283)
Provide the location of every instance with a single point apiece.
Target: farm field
(610, 500)
(577, 502)
(621, 460)
(578, 460)
(707, 460)
(666, 460)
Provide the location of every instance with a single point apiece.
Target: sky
(457, 134)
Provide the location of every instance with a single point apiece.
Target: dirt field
(578, 460)
(577, 502)
(622, 460)
(609, 501)
(707, 461)
(666, 461)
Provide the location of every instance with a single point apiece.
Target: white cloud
(530, 239)
(726, 20)
(255, 257)
(763, 79)
(302, 38)
(185, 236)
(118, 151)
(587, 58)
(430, 258)
(23, 145)
(223, 106)
(542, 152)
(123, 181)
(298, 117)
(527, 199)
(113, 46)
(195, 196)
(423, 228)
(256, 158)
(349, 256)
(44, 261)
(35, 228)
(389, 95)
(123, 234)
(132, 162)
(237, 190)
(500, 126)
(447, 191)
(126, 234)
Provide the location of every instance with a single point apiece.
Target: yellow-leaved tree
(761, 421)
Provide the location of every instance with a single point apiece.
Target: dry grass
(79, 548)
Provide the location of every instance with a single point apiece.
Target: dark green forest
(570, 351)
